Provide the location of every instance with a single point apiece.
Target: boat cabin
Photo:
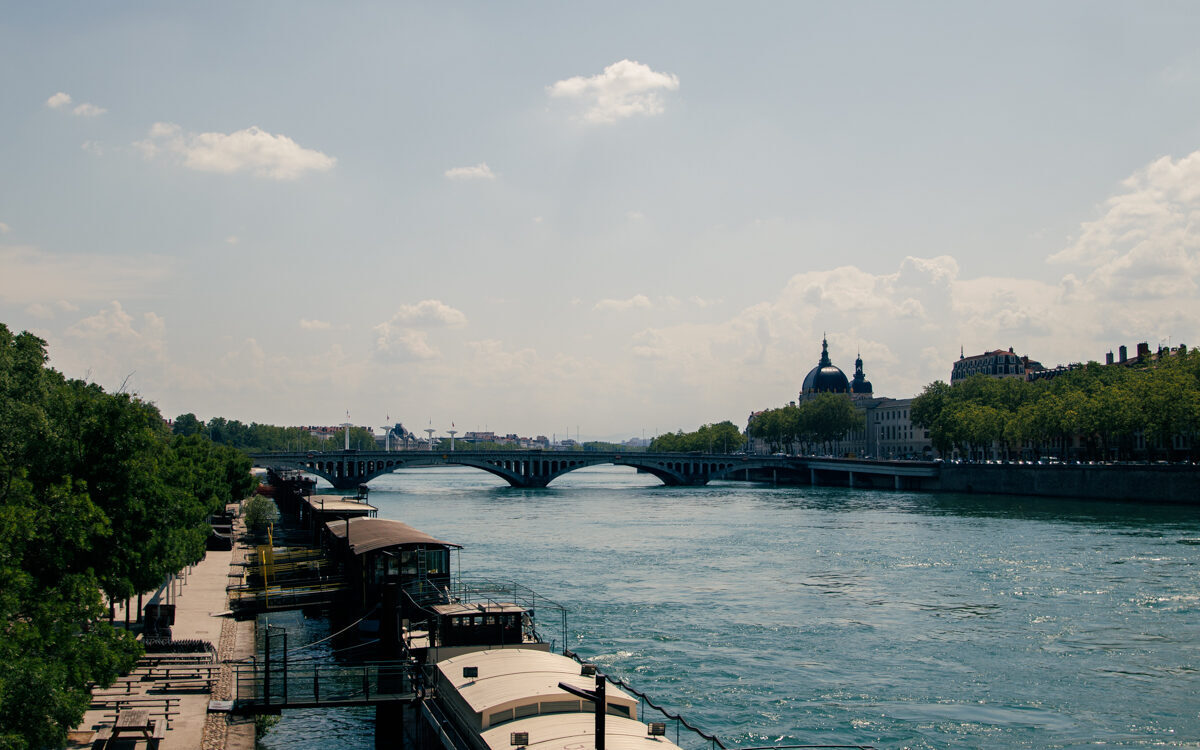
(491, 624)
(376, 553)
(319, 510)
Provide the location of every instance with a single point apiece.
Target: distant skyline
(547, 218)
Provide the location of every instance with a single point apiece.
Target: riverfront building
(888, 430)
(996, 364)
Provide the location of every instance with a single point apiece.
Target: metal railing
(487, 591)
(279, 684)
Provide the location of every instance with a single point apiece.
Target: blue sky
(537, 218)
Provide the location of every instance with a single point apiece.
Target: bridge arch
(346, 470)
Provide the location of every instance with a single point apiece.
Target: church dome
(825, 377)
(860, 386)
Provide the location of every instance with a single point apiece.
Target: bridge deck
(534, 468)
(261, 688)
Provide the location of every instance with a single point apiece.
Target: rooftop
(367, 534)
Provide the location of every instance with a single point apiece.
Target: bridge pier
(389, 725)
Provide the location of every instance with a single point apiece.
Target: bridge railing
(309, 684)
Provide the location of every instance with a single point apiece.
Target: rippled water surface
(819, 615)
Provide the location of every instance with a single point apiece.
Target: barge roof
(338, 504)
(573, 731)
(368, 534)
(511, 677)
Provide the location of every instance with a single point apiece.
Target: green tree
(95, 496)
(721, 437)
(828, 417)
(259, 512)
(187, 424)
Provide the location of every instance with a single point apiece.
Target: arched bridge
(348, 469)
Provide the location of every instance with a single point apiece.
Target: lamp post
(595, 696)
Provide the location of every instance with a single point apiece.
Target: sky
(606, 220)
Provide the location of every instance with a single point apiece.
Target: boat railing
(492, 592)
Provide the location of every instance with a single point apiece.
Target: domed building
(860, 387)
(825, 377)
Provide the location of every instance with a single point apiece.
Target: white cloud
(315, 325)
(1146, 244)
(32, 276)
(480, 171)
(232, 239)
(93, 147)
(88, 110)
(910, 323)
(403, 344)
(114, 348)
(251, 150)
(637, 301)
(113, 323)
(84, 109)
(399, 340)
(625, 88)
(4, 228)
(50, 310)
(428, 313)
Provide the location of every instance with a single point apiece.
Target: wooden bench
(158, 732)
(119, 702)
(162, 725)
(182, 671)
(128, 681)
(101, 737)
(177, 685)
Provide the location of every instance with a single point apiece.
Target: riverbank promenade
(174, 699)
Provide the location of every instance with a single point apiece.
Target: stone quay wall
(1141, 482)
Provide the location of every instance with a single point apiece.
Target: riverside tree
(1091, 411)
(255, 437)
(721, 437)
(818, 422)
(95, 497)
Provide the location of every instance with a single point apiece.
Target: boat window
(500, 717)
(559, 707)
(529, 709)
(618, 710)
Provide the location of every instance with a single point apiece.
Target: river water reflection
(773, 615)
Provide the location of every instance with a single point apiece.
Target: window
(500, 717)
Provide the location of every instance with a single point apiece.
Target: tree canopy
(255, 437)
(819, 421)
(721, 437)
(1106, 408)
(95, 497)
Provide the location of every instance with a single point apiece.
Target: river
(787, 615)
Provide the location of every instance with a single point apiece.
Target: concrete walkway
(200, 601)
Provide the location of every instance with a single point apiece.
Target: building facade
(888, 430)
(996, 364)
